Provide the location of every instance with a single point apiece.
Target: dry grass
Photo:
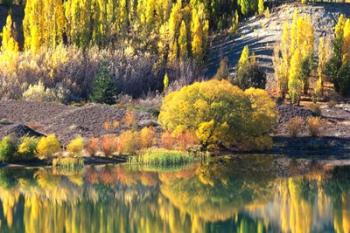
(294, 126)
(314, 125)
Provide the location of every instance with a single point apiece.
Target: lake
(253, 195)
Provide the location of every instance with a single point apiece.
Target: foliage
(235, 22)
(294, 126)
(223, 71)
(129, 142)
(165, 82)
(147, 137)
(104, 89)
(92, 146)
(7, 149)
(338, 66)
(324, 55)
(293, 57)
(315, 108)
(314, 126)
(108, 144)
(9, 47)
(218, 112)
(38, 92)
(261, 7)
(76, 145)
(250, 75)
(27, 147)
(161, 157)
(48, 146)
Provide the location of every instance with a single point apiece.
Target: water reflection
(244, 196)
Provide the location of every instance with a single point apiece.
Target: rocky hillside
(261, 33)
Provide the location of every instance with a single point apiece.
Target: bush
(76, 145)
(104, 88)
(38, 92)
(68, 163)
(250, 75)
(314, 126)
(7, 149)
(219, 113)
(128, 142)
(147, 137)
(27, 147)
(315, 108)
(108, 144)
(92, 146)
(48, 146)
(294, 126)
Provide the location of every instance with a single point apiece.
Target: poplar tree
(8, 43)
(183, 45)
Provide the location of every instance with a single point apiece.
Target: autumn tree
(182, 41)
(9, 43)
(261, 7)
(324, 55)
(219, 112)
(295, 81)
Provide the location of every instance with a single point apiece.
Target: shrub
(38, 92)
(108, 144)
(185, 139)
(314, 126)
(27, 147)
(92, 146)
(223, 70)
(7, 149)
(76, 145)
(315, 108)
(332, 103)
(129, 119)
(167, 140)
(147, 137)
(250, 75)
(48, 146)
(128, 142)
(104, 88)
(219, 113)
(294, 126)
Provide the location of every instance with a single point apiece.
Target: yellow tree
(175, 19)
(295, 82)
(244, 58)
(261, 7)
(8, 44)
(182, 41)
(199, 32)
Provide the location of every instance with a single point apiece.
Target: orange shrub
(167, 140)
(129, 119)
(147, 137)
(294, 126)
(185, 139)
(92, 146)
(314, 126)
(128, 142)
(108, 144)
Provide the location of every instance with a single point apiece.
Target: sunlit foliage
(48, 146)
(218, 112)
(76, 145)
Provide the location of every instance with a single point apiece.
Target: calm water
(243, 196)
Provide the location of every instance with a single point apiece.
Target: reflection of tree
(217, 191)
(226, 196)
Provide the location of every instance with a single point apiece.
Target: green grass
(68, 163)
(162, 157)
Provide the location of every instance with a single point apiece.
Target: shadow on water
(250, 194)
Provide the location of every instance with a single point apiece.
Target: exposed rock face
(18, 130)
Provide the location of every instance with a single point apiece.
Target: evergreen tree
(104, 88)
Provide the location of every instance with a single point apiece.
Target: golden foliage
(48, 146)
(76, 145)
(218, 112)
